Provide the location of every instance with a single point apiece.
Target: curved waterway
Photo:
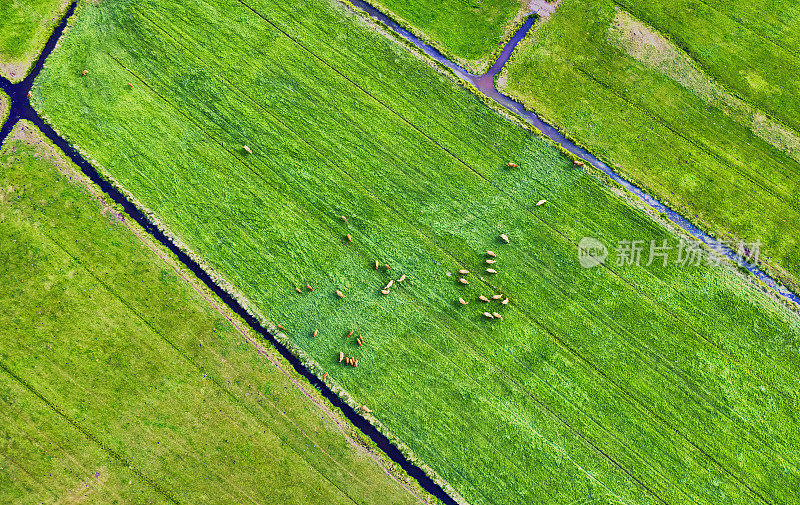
(486, 84)
(22, 109)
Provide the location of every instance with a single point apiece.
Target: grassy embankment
(4, 107)
(25, 26)
(707, 124)
(469, 33)
(622, 384)
(122, 382)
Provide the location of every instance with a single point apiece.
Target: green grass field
(25, 26)
(672, 121)
(467, 32)
(613, 384)
(122, 382)
(751, 48)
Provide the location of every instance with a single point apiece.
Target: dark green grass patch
(120, 382)
(25, 26)
(691, 153)
(617, 384)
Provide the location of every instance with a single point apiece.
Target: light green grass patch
(655, 51)
(4, 107)
(747, 47)
(469, 32)
(123, 381)
(25, 26)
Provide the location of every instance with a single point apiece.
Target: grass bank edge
(216, 303)
(27, 62)
(5, 108)
(476, 67)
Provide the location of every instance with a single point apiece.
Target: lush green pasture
(466, 31)
(615, 384)
(25, 26)
(752, 48)
(121, 382)
(690, 142)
